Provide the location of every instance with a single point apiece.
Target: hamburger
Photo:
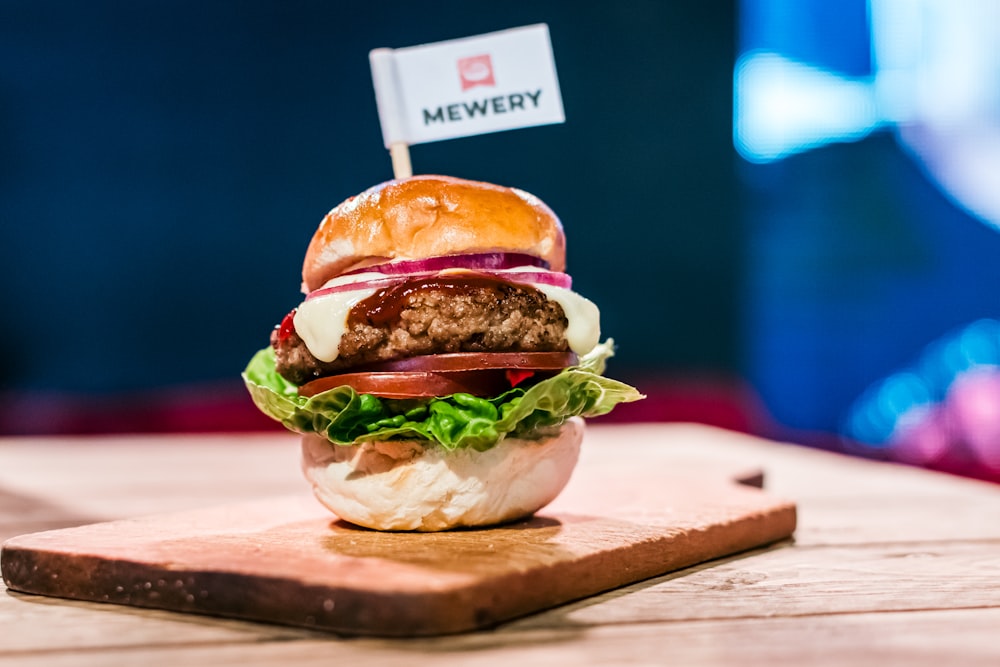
(440, 364)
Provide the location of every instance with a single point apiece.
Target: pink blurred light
(973, 406)
(922, 436)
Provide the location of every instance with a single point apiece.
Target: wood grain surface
(287, 560)
(889, 566)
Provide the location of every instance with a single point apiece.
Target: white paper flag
(498, 81)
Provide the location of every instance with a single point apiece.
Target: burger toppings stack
(439, 335)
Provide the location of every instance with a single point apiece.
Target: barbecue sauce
(385, 305)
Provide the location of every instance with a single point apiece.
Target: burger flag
(488, 83)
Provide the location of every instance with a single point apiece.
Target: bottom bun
(407, 486)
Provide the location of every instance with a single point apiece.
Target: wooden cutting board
(287, 560)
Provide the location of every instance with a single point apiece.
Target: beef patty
(494, 317)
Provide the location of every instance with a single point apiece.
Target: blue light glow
(934, 81)
(783, 107)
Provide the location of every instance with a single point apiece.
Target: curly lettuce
(346, 417)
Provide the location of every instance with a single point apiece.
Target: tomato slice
(476, 373)
(477, 361)
(414, 384)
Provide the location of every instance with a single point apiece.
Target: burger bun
(431, 216)
(407, 485)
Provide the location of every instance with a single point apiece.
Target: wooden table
(890, 565)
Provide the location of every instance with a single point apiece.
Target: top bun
(429, 216)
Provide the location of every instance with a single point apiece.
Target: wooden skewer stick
(400, 154)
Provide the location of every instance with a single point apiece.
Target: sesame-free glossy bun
(430, 216)
(410, 486)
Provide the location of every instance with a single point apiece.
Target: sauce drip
(384, 306)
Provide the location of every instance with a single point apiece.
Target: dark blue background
(164, 164)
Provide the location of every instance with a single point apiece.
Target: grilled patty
(499, 317)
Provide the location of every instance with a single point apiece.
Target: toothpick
(400, 154)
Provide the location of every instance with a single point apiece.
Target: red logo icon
(476, 71)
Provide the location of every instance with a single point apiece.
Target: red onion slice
(537, 278)
(476, 261)
(552, 278)
(377, 283)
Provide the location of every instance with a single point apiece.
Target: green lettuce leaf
(346, 417)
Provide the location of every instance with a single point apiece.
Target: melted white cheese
(322, 321)
(584, 330)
